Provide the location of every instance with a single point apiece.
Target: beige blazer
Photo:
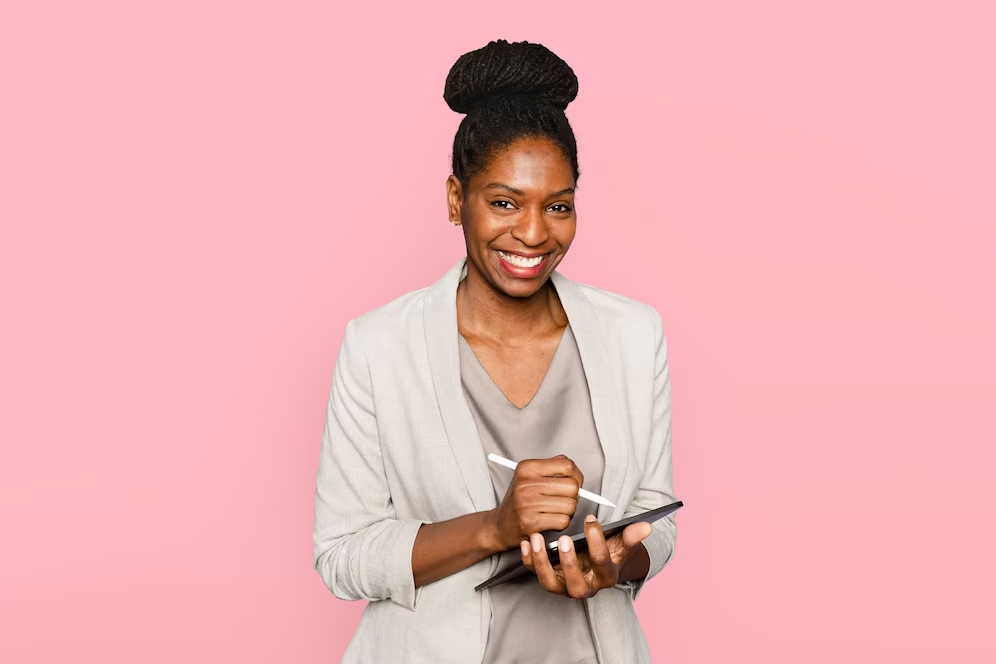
(401, 449)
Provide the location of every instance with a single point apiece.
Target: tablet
(580, 543)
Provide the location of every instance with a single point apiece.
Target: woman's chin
(521, 288)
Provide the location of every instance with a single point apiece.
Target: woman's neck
(485, 313)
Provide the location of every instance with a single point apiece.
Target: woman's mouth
(523, 267)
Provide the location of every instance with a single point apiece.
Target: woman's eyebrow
(519, 192)
(499, 185)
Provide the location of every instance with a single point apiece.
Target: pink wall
(195, 198)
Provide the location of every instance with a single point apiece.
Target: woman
(502, 355)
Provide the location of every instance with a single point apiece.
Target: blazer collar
(440, 325)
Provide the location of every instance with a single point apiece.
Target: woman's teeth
(521, 261)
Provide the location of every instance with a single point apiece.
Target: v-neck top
(529, 624)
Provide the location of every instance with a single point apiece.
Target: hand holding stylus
(542, 496)
(582, 493)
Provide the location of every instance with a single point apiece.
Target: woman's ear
(454, 199)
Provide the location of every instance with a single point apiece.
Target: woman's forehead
(528, 163)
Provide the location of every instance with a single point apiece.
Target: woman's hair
(509, 91)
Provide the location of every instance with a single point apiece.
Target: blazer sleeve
(656, 489)
(361, 549)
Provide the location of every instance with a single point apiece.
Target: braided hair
(509, 91)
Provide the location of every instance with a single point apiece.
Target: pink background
(197, 196)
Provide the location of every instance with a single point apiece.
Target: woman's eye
(560, 207)
(505, 205)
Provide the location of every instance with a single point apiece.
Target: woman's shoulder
(616, 310)
(407, 310)
(634, 329)
(606, 299)
(390, 318)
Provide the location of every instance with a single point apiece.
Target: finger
(574, 580)
(603, 568)
(572, 470)
(544, 521)
(536, 512)
(551, 504)
(527, 554)
(542, 568)
(537, 518)
(558, 466)
(553, 486)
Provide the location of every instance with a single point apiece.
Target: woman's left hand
(581, 575)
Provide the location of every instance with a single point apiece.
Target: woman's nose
(530, 228)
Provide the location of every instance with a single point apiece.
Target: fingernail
(590, 518)
(525, 548)
(537, 541)
(565, 544)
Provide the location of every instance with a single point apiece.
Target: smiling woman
(518, 214)
(502, 356)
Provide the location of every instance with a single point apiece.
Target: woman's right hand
(542, 495)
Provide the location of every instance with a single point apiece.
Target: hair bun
(502, 68)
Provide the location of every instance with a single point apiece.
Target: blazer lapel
(440, 323)
(605, 405)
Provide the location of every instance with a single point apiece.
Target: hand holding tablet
(579, 543)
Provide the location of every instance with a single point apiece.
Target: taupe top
(528, 623)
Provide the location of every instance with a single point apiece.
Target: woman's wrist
(447, 547)
(489, 537)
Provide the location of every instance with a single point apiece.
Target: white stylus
(594, 497)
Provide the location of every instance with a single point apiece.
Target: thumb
(635, 533)
(622, 544)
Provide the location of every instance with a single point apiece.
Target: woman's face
(518, 215)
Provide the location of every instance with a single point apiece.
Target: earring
(455, 223)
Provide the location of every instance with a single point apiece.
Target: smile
(521, 261)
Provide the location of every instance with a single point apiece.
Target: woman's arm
(447, 547)
(542, 495)
(362, 550)
(657, 487)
